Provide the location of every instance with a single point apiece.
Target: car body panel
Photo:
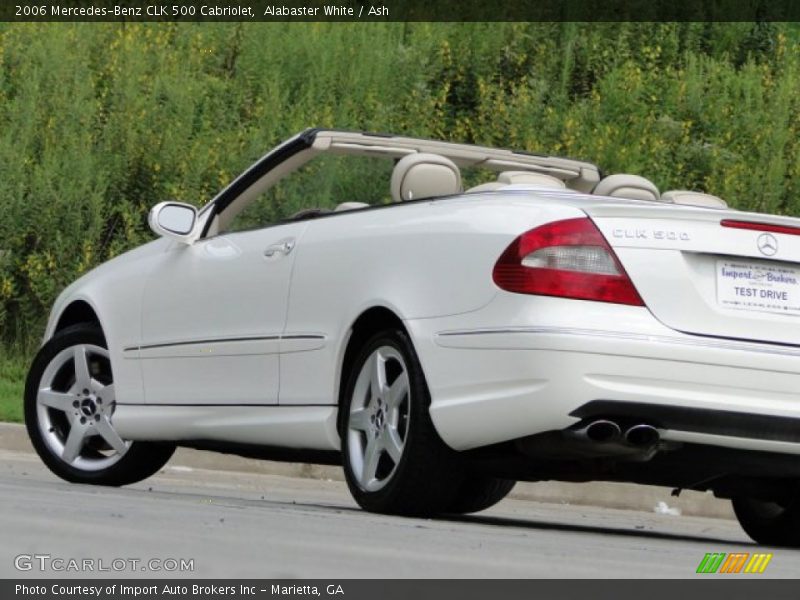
(114, 291)
(522, 365)
(301, 427)
(421, 260)
(213, 314)
(674, 262)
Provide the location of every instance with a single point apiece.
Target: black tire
(479, 492)
(428, 474)
(139, 461)
(770, 523)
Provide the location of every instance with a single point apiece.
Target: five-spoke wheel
(74, 405)
(69, 413)
(394, 461)
(378, 421)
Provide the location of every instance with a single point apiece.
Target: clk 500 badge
(647, 234)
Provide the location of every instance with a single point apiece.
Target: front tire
(770, 523)
(394, 461)
(69, 408)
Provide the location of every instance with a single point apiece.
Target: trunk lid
(699, 276)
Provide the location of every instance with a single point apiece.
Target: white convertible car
(548, 323)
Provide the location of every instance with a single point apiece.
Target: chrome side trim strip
(300, 336)
(196, 342)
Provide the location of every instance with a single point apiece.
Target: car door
(212, 316)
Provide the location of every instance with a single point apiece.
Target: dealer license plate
(763, 287)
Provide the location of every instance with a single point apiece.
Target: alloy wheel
(75, 403)
(378, 422)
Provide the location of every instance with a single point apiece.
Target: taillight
(755, 226)
(568, 259)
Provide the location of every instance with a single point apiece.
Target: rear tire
(394, 461)
(69, 413)
(770, 523)
(479, 492)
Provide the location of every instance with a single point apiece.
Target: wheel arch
(76, 312)
(368, 323)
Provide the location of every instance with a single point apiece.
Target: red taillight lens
(569, 259)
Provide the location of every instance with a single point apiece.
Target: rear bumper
(494, 384)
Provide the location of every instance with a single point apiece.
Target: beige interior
(578, 175)
(428, 168)
(693, 199)
(350, 206)
(633, 187)
(424, 175)
(507, 178)
(491, 186)
(529, 178)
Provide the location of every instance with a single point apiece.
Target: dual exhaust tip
(605, 431)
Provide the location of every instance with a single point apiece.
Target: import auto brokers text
(132, 590)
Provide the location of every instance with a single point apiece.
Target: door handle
(283, 247)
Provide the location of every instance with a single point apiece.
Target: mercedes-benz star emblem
(767, 244)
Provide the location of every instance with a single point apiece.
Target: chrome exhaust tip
(642, 435)
(602, 431)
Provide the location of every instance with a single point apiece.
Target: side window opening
(317, 188)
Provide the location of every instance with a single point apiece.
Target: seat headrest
(424, 175)
(627, 186)
(693, 199)
(528, 177)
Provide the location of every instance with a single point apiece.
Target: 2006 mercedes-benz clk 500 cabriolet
(547, 323)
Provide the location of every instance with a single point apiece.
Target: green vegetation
(13, 367)
(100, 121)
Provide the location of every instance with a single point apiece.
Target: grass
(11, 400)
(13, 367)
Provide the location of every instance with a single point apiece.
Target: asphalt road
(268, 526)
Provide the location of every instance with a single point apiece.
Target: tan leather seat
(424, 175)
(350, 206)
(627, 186)
(491, 186)
(530, 178)
(519, 177)
(693, 199)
